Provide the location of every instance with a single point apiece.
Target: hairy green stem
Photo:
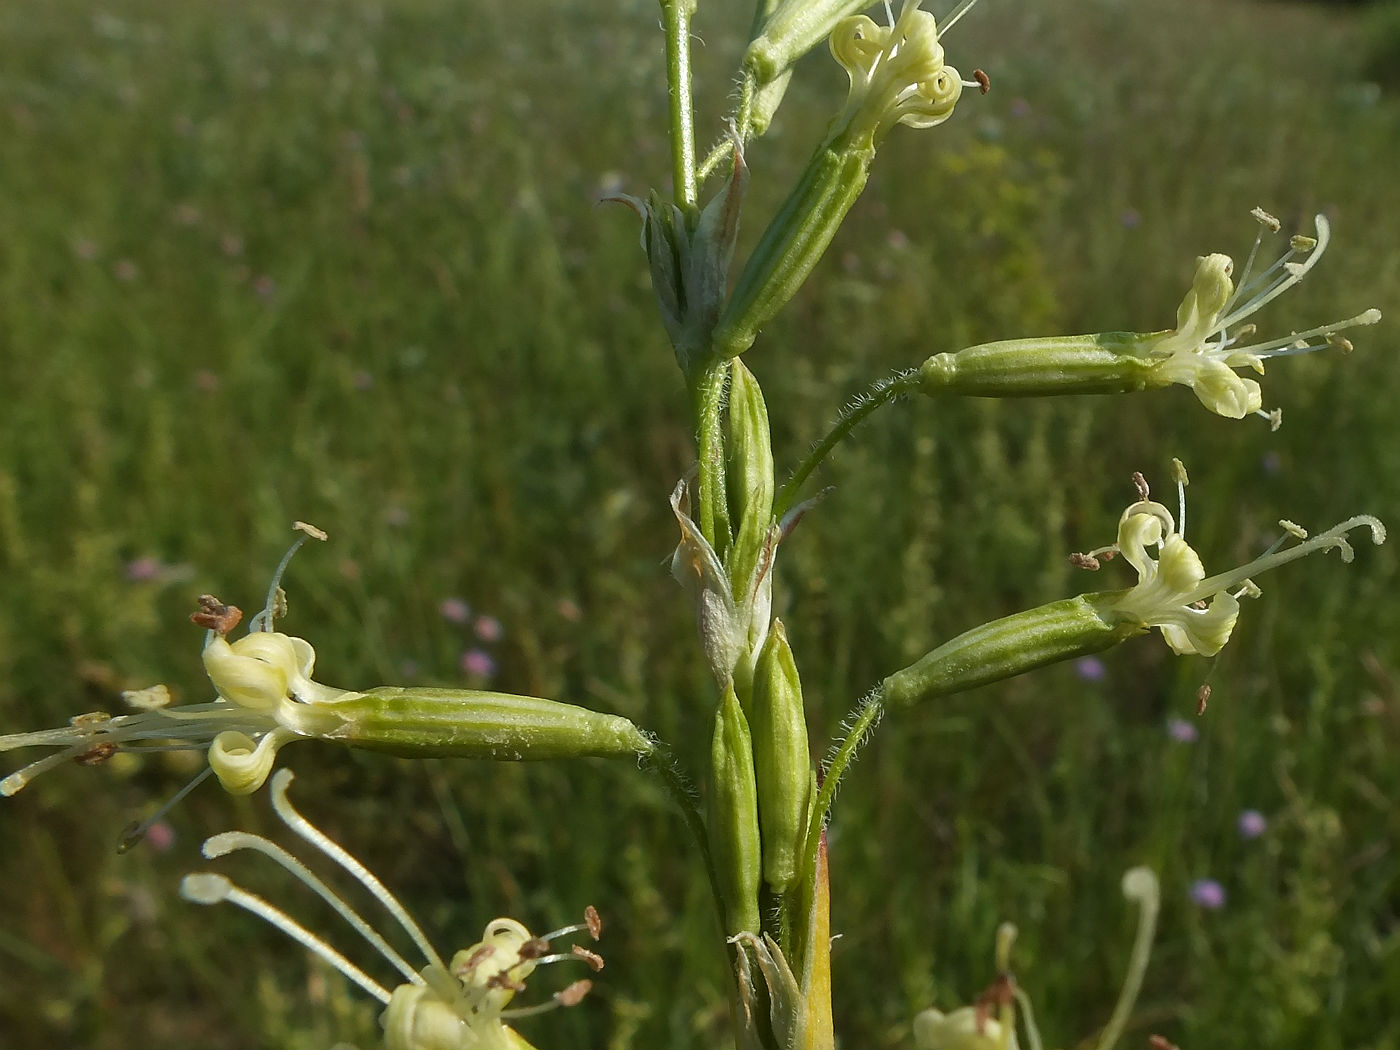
(676, 18)
(724, 148)
(804, 889)
(881, 394)
(662, 762)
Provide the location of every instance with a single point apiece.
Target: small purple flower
(1090, 668)
(1251, 824)
(1208, 894)
(489, 629)
(478, 663)
(454, 610)
(361, 379)
(1182, 731)
(1130, 218)
(140, 569)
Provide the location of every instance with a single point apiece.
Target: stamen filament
(311, 834)
(232, 841)
(208, 888)
(1283, 345)
(953, 16)
(1333, 537)
(1324, 234)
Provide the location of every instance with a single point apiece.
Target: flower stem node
(689, 257)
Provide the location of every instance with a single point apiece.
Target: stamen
(1285, 346)
(955, 14)
(303, 827)
(570, 996)
(1140, 885)
(1179, 473)
(1333, 538)
(1324, 234)
(208, 888)
(272, 607)
(231, 841)
(135, 832)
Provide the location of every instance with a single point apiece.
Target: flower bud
(469, 723)
(791, 31)
(1011, 646)
(749, 477)
(781, 759)
(733, 807)
(792, 244)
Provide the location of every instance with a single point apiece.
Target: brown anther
(1202, 698)
(96, 755)
(503, 979)
(215, 616)
(1084, 561)
(1140, 483)
(1161, 1042)
(594, 921)
(573, 995)
(593, 959)
(534, 948)
(983, 81)
(996, 996)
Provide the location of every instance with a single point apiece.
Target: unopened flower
(458, 1005)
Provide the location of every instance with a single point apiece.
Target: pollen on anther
(593, 959)
(573, 995)
(1265, 219)
(594, 921)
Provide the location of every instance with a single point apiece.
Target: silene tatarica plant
(759, 808)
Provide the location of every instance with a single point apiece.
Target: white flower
(897, 73)
(461, 1005)
(266, 697)
(1196, 613)
(1205, 348)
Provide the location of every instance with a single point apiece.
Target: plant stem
(881, 394)
(662, 761)
(867, 715)
(676, 17)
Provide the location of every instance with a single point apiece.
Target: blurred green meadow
(343, 261)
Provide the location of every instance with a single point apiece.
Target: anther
(215, 616)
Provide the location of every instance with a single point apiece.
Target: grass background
(342, 261)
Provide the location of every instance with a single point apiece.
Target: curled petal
(253, 672)
(1223, 391)
(1179, 566)
(241, 763)
(1202, 632)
